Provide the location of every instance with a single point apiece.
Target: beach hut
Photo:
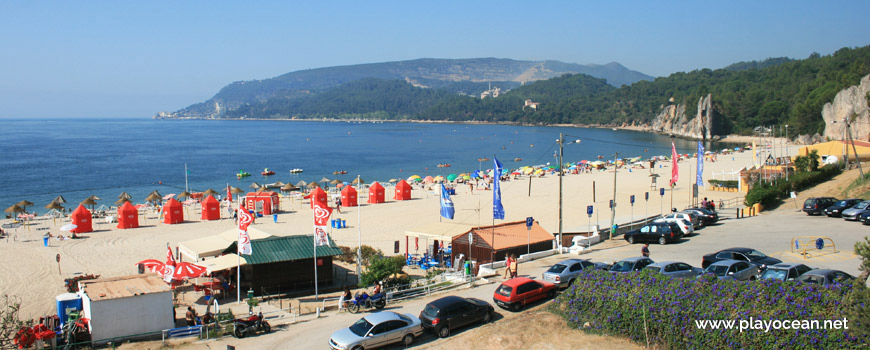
(81, 217)
(265, 203)
(318, 195)
(403, 191)
(120, 306)
(128, 216)
(173, 212)
(349, 197)
(502, 239)
(211, 209)
(376, 193)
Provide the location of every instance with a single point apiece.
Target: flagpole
(315, 262)
(186, 189)
(359, 232)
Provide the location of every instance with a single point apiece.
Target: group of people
(709, 205)
(510, 266)
(193, 319)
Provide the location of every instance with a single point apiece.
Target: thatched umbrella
(263, 189)
(324, 179)
(313, 185)
(335, 182)
(301, 183)
(277, 184)
(184, 194)
(14, 209)
(59, 200)
(94, 197)
(155, 192)
(236, 190)
(255, 185)
(89, 201)
(24, 204)
(53, 205)
(289, 187)
(121, 201)
(154, 197)
(358, 181)
(125, 195)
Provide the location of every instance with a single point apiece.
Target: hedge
(724, 183)
(769, 194)
(649, 307)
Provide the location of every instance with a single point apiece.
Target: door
(684, 270)
(574, 270)
(466, 313)
(525, 292)
(377, 336)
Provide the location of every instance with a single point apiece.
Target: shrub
(381, 268)
(859, 302)
(769, 194)
(649, 307)
(348, 254)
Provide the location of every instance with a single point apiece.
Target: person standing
(645, 250)
(507, 266)
(513, 266)
(190, 317)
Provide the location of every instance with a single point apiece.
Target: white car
(685, 226)
(696, 221)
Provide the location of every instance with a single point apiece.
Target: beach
(34, 276)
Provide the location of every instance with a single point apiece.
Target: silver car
(732, 269)
(852, 213)
(376, 330)
(785, 271)
(675, 269)
(564, 273)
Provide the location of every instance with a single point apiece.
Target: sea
(77, 158)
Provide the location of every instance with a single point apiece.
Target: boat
(518, 159)
(482, 159)
(295, 171)
(242, 174)
(267, 172)
(338, 172)
(443, 165)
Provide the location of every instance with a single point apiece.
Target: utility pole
(788, 158)
(849, 132)
(561, 142)
(613, 210)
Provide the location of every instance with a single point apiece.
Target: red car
(516, 293)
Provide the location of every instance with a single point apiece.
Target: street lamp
(787, 156)
(561, 142)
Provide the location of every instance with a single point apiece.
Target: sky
(131, 59)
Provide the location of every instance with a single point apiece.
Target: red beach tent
(265, 203)
(173, 212)
(128, 216)
(81, 217)
(403, 191)
(211, 208)
(376, 193)
(318, 195)
(349, 197)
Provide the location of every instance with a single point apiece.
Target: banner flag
(675, 169)
(497, 208)
(447, 209)
(700, 177)
(321, 216)
(245, 220)
(169, 267)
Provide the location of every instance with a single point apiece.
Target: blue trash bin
(275, 217)
(332, 223)
(343, 223)
(45, 241)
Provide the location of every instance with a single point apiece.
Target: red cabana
(81, 217)
(265, 203)
(403, 191)
(376, 193)
(173, 212)
(128, 216)
(318, 195)
(211, 208)
(348, 197)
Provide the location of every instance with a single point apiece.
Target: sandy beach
(33, 275)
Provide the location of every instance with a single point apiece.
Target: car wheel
(551, 294)
(571, 282)
(408, 339)
(486, 317)
(444, 332)
(663, 241)
(517, 307)
(752, 278)
(630, 240)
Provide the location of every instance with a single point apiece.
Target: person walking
(513, 266)
(645, 250)
(507, 266)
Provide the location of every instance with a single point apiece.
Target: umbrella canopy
(313, 185)
(184, 194)
(263, 189)
(414, 178)
(61, 200)
(88, 201)
(54, 205)
(236, 190)
(428, 179)
(339, 185)
(93, 196)
(324, 179)
(14, 208)
(438, 178)
(122, 200)
(209, 192)
(24, 204)
(393, 180)
(166, 197)
(358, 181)
(277, 184)
(335, 182)
(301, 183)
(125, 195)
(155, 192)
(255, 185)
(68, 227)
(451, 177)
(153, 197)
(289, 187)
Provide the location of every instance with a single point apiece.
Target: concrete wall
(129, 316)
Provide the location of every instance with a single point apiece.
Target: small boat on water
(242, 174)
(518, 159)
(443, 165)
(295, 171)
(267, 172)
(482, 159)
(339, 172)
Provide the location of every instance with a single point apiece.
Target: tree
(10, 321)
(859, 300)
(381, 268)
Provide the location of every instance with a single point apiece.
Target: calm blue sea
(80, 157)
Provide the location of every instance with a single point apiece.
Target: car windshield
(431, 310)
(842, 203)
(558, 268)
(504, 290)
(361, 327)
(862, 205)
(718, 270)
(755, 255)
(775, 274)
(622, 266)
(653, 268)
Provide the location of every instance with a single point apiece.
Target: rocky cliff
(850, 102)
(673, 120)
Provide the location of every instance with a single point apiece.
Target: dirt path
(830, 188)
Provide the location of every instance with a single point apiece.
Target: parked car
(785, 271)
(683, 225)
(514, 294)
(815, 205)
(743, 254)
(852, 213)
(690, 217)
(836, 210)
(563, 273)
(674, 269)
(630, 264)
(732, 269)
(448, 313)
(377, 329)
(656, 232)
(824, 277)
(708, 217)
(864, 218)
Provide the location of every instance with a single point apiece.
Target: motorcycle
(250, 325)
(360, 300)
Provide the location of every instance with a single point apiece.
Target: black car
(708, 217)
(824, 277)
(864, 218)
(836, 210)
(816, 205)
(656, 232)
(447, 313)
(753, 256)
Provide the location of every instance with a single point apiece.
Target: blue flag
(497, 208)
(447, 209)
(700, 180)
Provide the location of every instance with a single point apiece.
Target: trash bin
(45, 241)
(343, 223)
(275, 217)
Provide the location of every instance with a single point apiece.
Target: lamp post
(787, 157)
(561, 142)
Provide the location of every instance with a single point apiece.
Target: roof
(215, 244)
(289, 248)
(448, 300)
(443, 231)
(516, 281)
(636, 258)
(512, 234)
(383, 316)
(123, 287)
(571, 261)
(222, 262)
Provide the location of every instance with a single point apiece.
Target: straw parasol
(277, 184)
(324, 179)
(153, 197)
(184, 194)
(335, 182)
(59, 200)
(236, 190)
(125, 195)
(313, 185)
(89, 201)
(121, 201)
(255, 185)
(301, 183)
(263, 189)
(209, 192)
(14, 209)
(358, 181)
(24, 204)
(53, 205)
(94, 197)
(289, 187)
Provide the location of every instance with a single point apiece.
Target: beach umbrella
(153, 197)
(125, 195)
(339, 185)
(14, 209)
(53, 205)
(313, 185)
(61, 200)
(357, 181)
(122, 200)
(24, 204)
(428, 179)
(184, 194)
(301, 183)
(466, 177)
(89, 201)
(289, 187)
(451, 177)
(324, 179)
(277, 184)
(68, 227)
(94, 197)
(255, 185)
(335, 182)
(166, 197)
(209, 192)
(263, 189)
(414, 178)
(236, 190)
(438, 178)
(393, 180)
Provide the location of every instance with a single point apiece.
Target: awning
(200, 248)
(442, 231)
(222, 262)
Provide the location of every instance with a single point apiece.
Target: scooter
(250, 325)
(360, 300)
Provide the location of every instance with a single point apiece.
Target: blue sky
(134, 58)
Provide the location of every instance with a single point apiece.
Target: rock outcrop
(673, 120)
(850, 102)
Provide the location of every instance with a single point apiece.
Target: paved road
(769, 234)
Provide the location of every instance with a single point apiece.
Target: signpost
(662, 200)
(646, 208)
(529, 222)
(589, 214)
(631, 219)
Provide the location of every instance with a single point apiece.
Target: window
(527, 287)
(683, 267)
(576, 267)
(504, 290)
(361, 327)
(724, 255)
(558, 268)
(802, 269)
(741, 266)
(642, 263)
(380, 329)
(394, 325)
(655, 228)
(671, 268)
(792, 273)
(738, 256)
(644, 229)
(587, 264)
